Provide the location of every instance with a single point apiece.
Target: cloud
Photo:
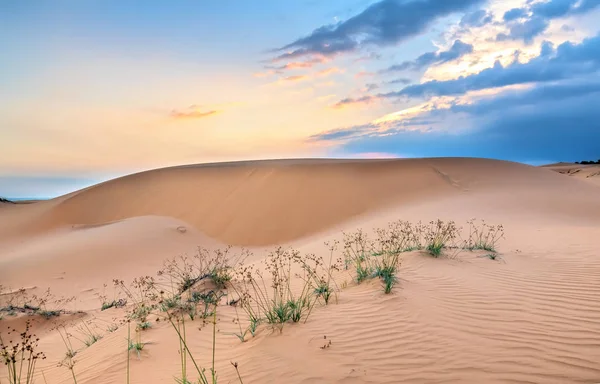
(295, 78)
(358, 101)
(329, 71)
(546, 122)
(526, 30)
(529, 22)
(386, 22)
(514, 14)
(476, 19)
(457, 50)
(341, 133)
(271, 70)
(300, 64)
(364, 74)
(401, 80)
(192, 112)
(567, 61)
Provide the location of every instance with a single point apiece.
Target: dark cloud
(537, 95)
(527, 23)
(476, 19)
(514, 14)
(457, 50)
(567, 61)
(386, 22)
(526, 30)
(402, 80)
(350, 101)
(554, 122)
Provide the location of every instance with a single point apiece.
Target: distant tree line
(3, 200)
(585, 162)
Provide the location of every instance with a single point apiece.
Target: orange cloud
(298, 65)
(295, 78)
(192, 112)
(328, 71)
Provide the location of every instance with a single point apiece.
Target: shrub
(358, 250)
(320, 273)
(217, 266)
(440, 235)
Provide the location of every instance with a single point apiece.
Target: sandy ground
(533, 316)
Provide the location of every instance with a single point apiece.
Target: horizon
(95, 91)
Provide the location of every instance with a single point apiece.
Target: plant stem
(214, 376)
(128, 344)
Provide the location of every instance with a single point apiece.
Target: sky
(91, 90)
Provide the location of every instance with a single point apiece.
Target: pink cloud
(363, 74)
(329, 71)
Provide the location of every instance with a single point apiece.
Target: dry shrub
(19, 354)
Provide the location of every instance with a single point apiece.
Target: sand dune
(531, 317)
(588, 172)
(286, 200)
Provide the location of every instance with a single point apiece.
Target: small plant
(113, 304)
(144, 326)
(20, 357)
(49, 314)
(388, 275)
(358, 250)
(171, 297)
(136, 346)
(13, 302)
(107, 304)
(69, 361)
(186, 271)
(484, 236)
(320, 273)
(280, 304)
(87, 333)
(440, 235)
(492, 256)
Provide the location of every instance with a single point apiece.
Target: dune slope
(285, 200)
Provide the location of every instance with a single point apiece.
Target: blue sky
(90, 90)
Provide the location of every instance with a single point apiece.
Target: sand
(588, 172)
(532, 316)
